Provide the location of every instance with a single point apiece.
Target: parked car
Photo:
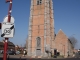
(11, 52)
(17, 52)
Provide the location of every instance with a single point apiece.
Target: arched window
(38, 41)
(39, 2)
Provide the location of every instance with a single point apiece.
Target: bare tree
(73, 40)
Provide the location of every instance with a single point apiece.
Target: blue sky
(66, 17)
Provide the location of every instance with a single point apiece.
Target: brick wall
(61, 43)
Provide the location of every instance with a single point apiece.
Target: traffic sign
(7, 27)
(6, 19)
(7, 30)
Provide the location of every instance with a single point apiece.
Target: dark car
(11, 53)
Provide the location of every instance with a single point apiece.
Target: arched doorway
(38, 46)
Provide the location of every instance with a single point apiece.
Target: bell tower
(41, 27)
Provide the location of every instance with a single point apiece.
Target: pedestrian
(24, 53)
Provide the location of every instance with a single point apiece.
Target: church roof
(60, 31)
(9, 43)
(61, 34)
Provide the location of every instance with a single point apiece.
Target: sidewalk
(15, 56)
(21, 56)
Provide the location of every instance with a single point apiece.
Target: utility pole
(6, 39)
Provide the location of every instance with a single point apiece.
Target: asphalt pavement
(40, 59)
(20, 57)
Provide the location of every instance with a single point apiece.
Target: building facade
(41, 27)
(63, 44)
(41, 36)
(10, 45)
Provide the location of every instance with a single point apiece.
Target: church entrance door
(38, 52)
(38, 49)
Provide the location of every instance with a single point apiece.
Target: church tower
(41, 27)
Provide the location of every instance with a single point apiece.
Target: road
(40, 59)
(20, 57)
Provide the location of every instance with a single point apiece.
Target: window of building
(49, 4)
(39, 2)
(38, 41)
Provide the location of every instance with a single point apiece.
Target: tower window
(39, 2)
(49, 4)
(38, 41)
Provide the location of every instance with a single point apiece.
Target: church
(41, 36)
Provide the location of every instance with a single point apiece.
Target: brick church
(41, 36)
